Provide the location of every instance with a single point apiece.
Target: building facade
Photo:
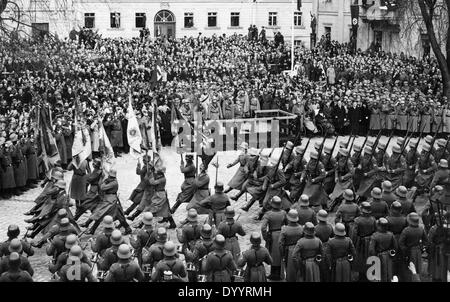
(176, 18)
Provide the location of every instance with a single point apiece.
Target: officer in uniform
(378, 206)
(347, 211)
(314, 175)
(125, 269)
(340, 254)
(92, 196)
(219, 265)
(254, 259)
(229, 228)
(289, 236)
(411, 242)
(395, 166)
(411, 158)
(307, 254)
(241, 174)
(145, 236)
(384, 246)
(305, 212)
(110, 255)
(202, 247)
(368, 169)
(102, 240)
(190, 232)
(83, 272)
(272, 222)
(217, 204)
(187, 188)
(138, 192)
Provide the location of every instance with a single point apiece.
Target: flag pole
(292, 35)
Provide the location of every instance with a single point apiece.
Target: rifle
(420, 137)
(362, 147)
(374, 147)
(445, 149)
(405, 143)
(217, 167)
(349, 138)
(320, 153)
(388, 142)
(434, 139)
(334, 145)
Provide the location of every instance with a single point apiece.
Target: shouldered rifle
(334, 145)
(374, 147)
(388, 142)
(445, 149)
(349, 139)
(434, 139)
(362, 147)
(320, 153)
(420, 137)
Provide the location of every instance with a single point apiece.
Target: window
(328, 32)
(89, 20)
(212, 19)
(188, 20)
(140, 20)
(297, 18)
(115, 20)
(273, 19)
(234, 19)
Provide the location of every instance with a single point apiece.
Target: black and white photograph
(226, 146)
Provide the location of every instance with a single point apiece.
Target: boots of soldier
(249, 204)
(135, 214)
(236, 197)
(130, 209)
(175, 207)
(275, 272)
(94, 227)
(86, 223)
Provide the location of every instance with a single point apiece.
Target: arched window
(164, 16)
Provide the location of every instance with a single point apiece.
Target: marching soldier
(364, 227)
(305, 213)
(343, 175)
(442, 175)
(386, 194)
(138, 192)
(201, 190)
(411, 242)
(15, 246)
(217, 204)
(329, 164)
(110, 255)
(314, 175)
(287, 157)
(384, 246)
(425, 167)
(378, 206)
(219, 265)
(274, 186)
(411, 160)
(254, 259)
(368, 170)
(155, 253)
(55, 229)
(381, 157)
(78, 184)
(396, 223)
(58, 243)
(307, 254)
(438, 247)
(190, 232)
(296, 167)
(229, 228)
(125, 269)
(347, 211)
(254, 185)
(340, 254)
(441, 152)
(187, 188)
(241, 174)
(15, 273)
(289, 236)
(13, 233)
(272, 222)
(407, 205)
(356, 161)
(103, 240)
(92, 197)
(145, 236)
(395, 166)
(74, 263)
(202, 247)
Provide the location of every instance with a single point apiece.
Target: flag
(106, 148)
(154, 133)
(49, 150)
(81, 148)
(133, 132)
(156, 74)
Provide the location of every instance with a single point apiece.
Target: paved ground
(12, 209)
